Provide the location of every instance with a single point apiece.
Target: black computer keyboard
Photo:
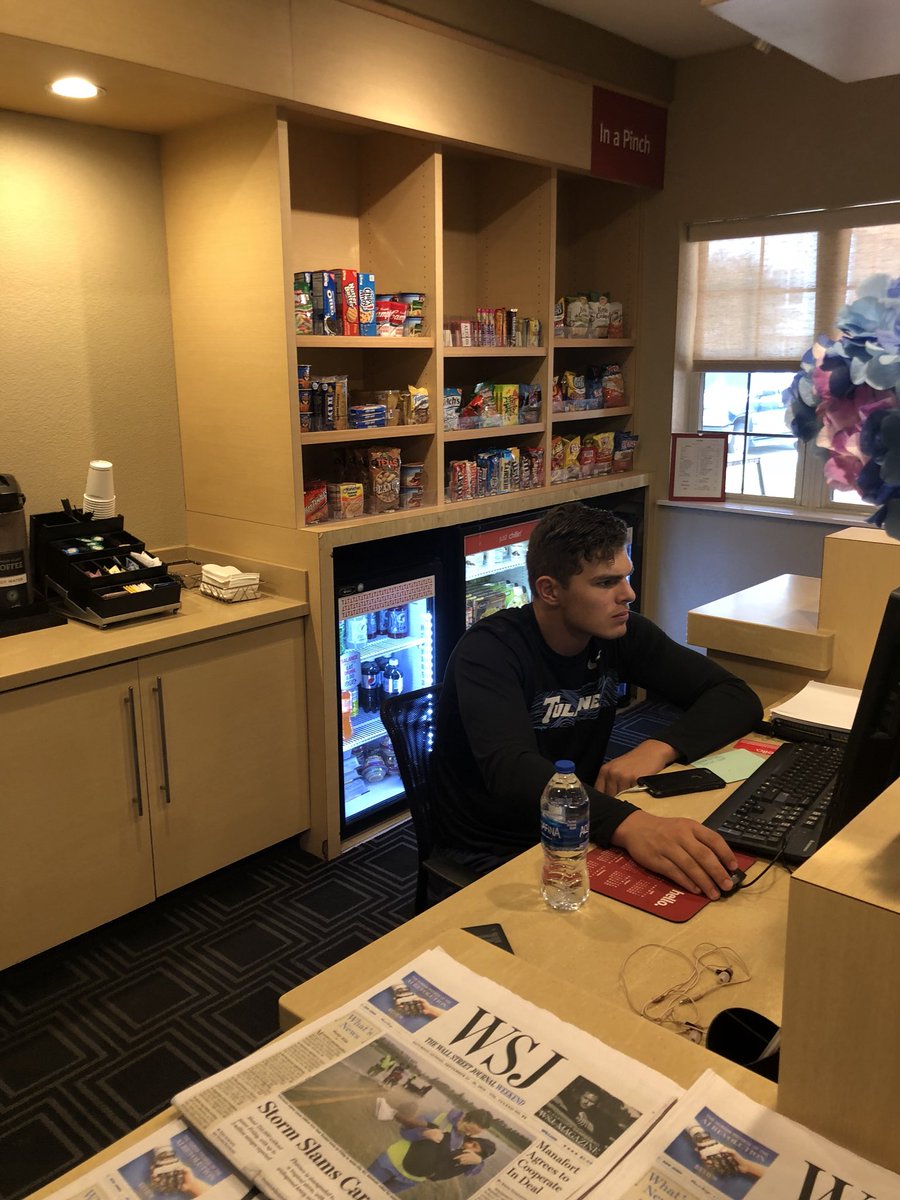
(778, 811)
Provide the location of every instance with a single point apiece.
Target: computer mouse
(737, 879)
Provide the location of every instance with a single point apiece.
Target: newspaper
(437, 1081)
(715, 1143)
(173, 1160)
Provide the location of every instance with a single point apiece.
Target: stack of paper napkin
(229, 579)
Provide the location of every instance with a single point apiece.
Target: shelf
(494, 351)
(473, 574)
(593, 343)
(492, 431)
(382, 433)
(319, 341)
(591, 414)
(366, 728)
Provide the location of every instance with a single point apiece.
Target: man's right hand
(695, 858)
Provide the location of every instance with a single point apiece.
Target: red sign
(496, 539)
(628, 139)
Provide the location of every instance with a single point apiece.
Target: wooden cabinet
(224, 726)
(75, 850)
(125, 782)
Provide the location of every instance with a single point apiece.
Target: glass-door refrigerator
(495, 574)
(386, 645)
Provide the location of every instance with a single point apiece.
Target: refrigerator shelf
(366, 728)
(513, 564)
(385, 647)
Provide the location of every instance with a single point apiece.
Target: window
(761, 292)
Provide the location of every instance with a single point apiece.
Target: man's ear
(547, 589)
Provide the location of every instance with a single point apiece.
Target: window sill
(742, 508)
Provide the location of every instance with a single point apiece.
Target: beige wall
(86, 362)
(749, 134)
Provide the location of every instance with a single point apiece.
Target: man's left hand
(646, 759)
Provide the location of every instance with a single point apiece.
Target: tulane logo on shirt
(555, 710)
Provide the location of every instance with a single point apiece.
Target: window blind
(765, 287)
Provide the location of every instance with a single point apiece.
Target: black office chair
(409, 720)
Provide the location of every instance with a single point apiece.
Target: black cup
(747, 1038)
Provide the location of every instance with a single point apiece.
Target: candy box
(315, 502)
(324, 294)
(345, 501)
(366, 291)
(347, 297)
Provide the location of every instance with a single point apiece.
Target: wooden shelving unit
(253, 198)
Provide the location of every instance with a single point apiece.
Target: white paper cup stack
(99, 491)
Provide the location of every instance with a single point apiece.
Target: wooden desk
(588, 948)
(767, 635)
(570, 963)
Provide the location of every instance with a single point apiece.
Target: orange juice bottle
(346, 721)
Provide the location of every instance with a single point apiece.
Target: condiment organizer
(87, 565)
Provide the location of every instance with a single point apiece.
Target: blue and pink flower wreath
(847, 396)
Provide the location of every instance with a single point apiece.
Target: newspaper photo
(716, 1144)
(172, 1161)
(436, 1081)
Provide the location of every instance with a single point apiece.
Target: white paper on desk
(301, 1117)
(173, 1159)
(717, 1142)
(822, 704)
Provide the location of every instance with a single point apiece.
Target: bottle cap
(565, 766)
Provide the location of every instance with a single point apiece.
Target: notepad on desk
(820, 710)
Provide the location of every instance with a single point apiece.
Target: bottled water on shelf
(565, 818)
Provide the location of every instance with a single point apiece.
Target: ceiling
(847, 39)
(675, 28)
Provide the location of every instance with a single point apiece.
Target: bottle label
(13, 579)
(564, 835)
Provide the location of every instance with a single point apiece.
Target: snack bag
(593, 387)
(623, 452)
(559, 318)
(452, 406)
(506, 401)
(616, 319)
(613, 387)
(558, 399)
(598, 316)
(577, 315)
(303, 303)
(420, 405)
(558, 460)
(574, 388)
(602, 444)
(572, 452)
(383, 493)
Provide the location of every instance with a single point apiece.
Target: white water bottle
(565, 820)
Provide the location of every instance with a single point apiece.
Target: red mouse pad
(612, 873)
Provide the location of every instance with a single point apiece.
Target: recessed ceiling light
(74, 87)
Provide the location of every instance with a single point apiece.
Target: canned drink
(398, 621)
(384, 622)
(356, 631)
(371, 624)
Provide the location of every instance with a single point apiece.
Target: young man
(528, 686)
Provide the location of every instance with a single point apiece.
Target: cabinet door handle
(138, 799)
(164, 786)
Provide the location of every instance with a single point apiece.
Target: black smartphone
(677, 783)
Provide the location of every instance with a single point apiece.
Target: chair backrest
(409, 719)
